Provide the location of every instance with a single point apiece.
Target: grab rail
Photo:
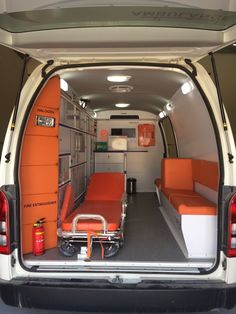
(89, 216)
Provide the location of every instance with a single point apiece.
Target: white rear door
(76, 30)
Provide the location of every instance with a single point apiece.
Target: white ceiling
(152, 88)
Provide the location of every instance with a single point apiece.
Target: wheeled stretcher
(100, 218)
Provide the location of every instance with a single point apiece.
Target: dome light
(169, 107)
(118, 78)
(162, 114)
(122, 105)
(64, 85)
(187, 87)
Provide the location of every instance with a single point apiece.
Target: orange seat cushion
(105, 186)
(110, 210)
(170, 193)
(177, 173)
(188, 205)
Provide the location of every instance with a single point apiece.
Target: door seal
(194, 69)
(25, 61)
(49, 62)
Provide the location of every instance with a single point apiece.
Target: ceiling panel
(151, 88)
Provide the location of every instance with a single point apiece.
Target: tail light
(4, 225)
(231, 252)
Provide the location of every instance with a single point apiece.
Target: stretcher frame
(104, 236)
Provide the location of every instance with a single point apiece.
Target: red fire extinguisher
(38, 237)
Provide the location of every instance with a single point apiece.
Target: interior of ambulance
(120, 166)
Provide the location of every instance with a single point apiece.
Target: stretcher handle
(88, 216)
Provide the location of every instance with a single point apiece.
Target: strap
(90, 235)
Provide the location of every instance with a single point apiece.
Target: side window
(169, 138)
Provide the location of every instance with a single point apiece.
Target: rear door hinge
(224, 264)
(13, 261)
(231, 158)
(7, 157)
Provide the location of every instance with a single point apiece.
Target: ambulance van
(117, 185)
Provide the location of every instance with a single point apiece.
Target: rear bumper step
(117, 298)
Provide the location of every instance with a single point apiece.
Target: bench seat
(177, 183)
(190, 215)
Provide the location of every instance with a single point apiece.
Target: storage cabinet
(76, 140)
(109, 162)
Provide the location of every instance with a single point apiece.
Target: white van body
(205, 278)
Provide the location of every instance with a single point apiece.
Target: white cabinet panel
(145, 168)
(109, 168)
(109, 158)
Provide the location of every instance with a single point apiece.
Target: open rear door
(75, 30)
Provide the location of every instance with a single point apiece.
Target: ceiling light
(169, 107)
(64, 85)
(118, 78)
(234, 44)
(162, 114)
(122, 105)
(187, 87)
(83, 103)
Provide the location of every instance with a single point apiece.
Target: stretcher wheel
(111, 250)
(67, 249)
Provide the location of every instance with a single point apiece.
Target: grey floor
(147, 236)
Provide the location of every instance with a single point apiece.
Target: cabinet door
(110, 158)
(64, 169)
(69, 114)
(77, 118)
(81, 147)
(77, 147)
(82, 121)
(109, 168)
(82, 178)
(64, 140)
(73, 146)
(78, 179)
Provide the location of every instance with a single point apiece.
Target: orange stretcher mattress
(110, 210)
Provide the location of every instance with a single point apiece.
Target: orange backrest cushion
(206, 173)
(105, 186)
(68, 202)
(177, 173)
